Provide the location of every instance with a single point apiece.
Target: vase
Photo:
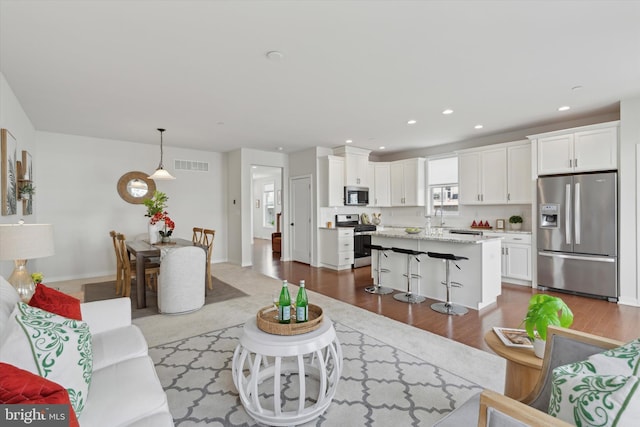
(154, 232)
(538, 347)
(166, 239)
(516, 226)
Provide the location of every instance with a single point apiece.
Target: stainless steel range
(361, 252)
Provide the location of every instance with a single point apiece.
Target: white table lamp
(22, 242)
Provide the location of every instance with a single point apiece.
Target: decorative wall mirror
(136, 186)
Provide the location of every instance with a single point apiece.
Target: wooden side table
(523, 367)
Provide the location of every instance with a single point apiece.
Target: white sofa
(125, 389)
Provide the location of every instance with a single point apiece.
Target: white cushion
(52, 346)
(117, 345)
(9, 297)
(602, 390)
(124, 393)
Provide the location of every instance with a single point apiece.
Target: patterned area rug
(380, 384)
(107, 290)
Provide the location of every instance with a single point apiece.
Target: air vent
(191, 165)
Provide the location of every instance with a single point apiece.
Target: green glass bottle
(302, 304)
(284, 305)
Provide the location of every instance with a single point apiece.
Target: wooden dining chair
(119, 267)
(151, 269)
(197, 235)
(207, 240)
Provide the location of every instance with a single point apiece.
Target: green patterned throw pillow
(60, 347)
(600, 391)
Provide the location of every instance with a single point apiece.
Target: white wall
(14, 119)
(76, 183)
(629, 203)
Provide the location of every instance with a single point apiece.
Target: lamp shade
(26, 241)
(161, 173)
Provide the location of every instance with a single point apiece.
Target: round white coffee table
(263, 362)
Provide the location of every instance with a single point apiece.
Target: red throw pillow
(53, 301)
(18, 386)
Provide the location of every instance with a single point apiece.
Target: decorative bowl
(412, 230)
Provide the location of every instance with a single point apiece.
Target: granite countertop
(399, 233)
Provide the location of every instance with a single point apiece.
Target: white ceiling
(350, 69)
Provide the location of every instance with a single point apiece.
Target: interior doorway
(266, 206)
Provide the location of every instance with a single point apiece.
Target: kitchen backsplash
(415, 216)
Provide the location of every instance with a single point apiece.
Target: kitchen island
(480, 275)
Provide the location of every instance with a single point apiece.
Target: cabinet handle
(575, 163)
(570, 163)
(508, 196)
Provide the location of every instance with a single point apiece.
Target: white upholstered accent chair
(181, 284)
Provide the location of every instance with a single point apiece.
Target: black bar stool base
(378, 290)
(409, 298)
(446, 308)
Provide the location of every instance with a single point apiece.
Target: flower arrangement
(37, 278)
(169, 225)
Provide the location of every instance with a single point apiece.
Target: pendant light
(161, 173)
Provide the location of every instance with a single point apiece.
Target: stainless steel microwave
(356, 196)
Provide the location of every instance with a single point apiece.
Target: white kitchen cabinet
(519, 178)
(516, 257)
(356, 165)
(336, 248)
(588, 148)
(331, 180)
(379, 184)
(482, 176)
(408, 182)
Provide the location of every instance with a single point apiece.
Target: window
(442, 183)
(268, 199)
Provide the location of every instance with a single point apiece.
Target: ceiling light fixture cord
(161, 166)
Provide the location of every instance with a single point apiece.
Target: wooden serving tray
(267, 322)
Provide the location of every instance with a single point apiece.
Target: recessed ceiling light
(382, 147)
(349, 141)
(254, 167)
(478, 127)
(280, 148)
(274, 55)
(447, 111)
(411, 122)
(564, 108)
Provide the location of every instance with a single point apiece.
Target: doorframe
(311, 236)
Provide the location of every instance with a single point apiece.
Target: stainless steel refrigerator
(578, 233)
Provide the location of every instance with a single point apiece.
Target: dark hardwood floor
(590, 315)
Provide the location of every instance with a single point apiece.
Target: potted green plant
(545, 310)
(516, 222)
(156, 204)
(156, 211)
(27, 190)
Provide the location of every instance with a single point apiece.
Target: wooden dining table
(142, 249)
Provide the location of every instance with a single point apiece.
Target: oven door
(361, 250)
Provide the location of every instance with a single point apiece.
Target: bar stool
(409, 296)
(378, 288)
(448, 307)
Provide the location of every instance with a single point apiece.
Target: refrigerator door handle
(584, 258)
(577, 219)
(568, 214)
